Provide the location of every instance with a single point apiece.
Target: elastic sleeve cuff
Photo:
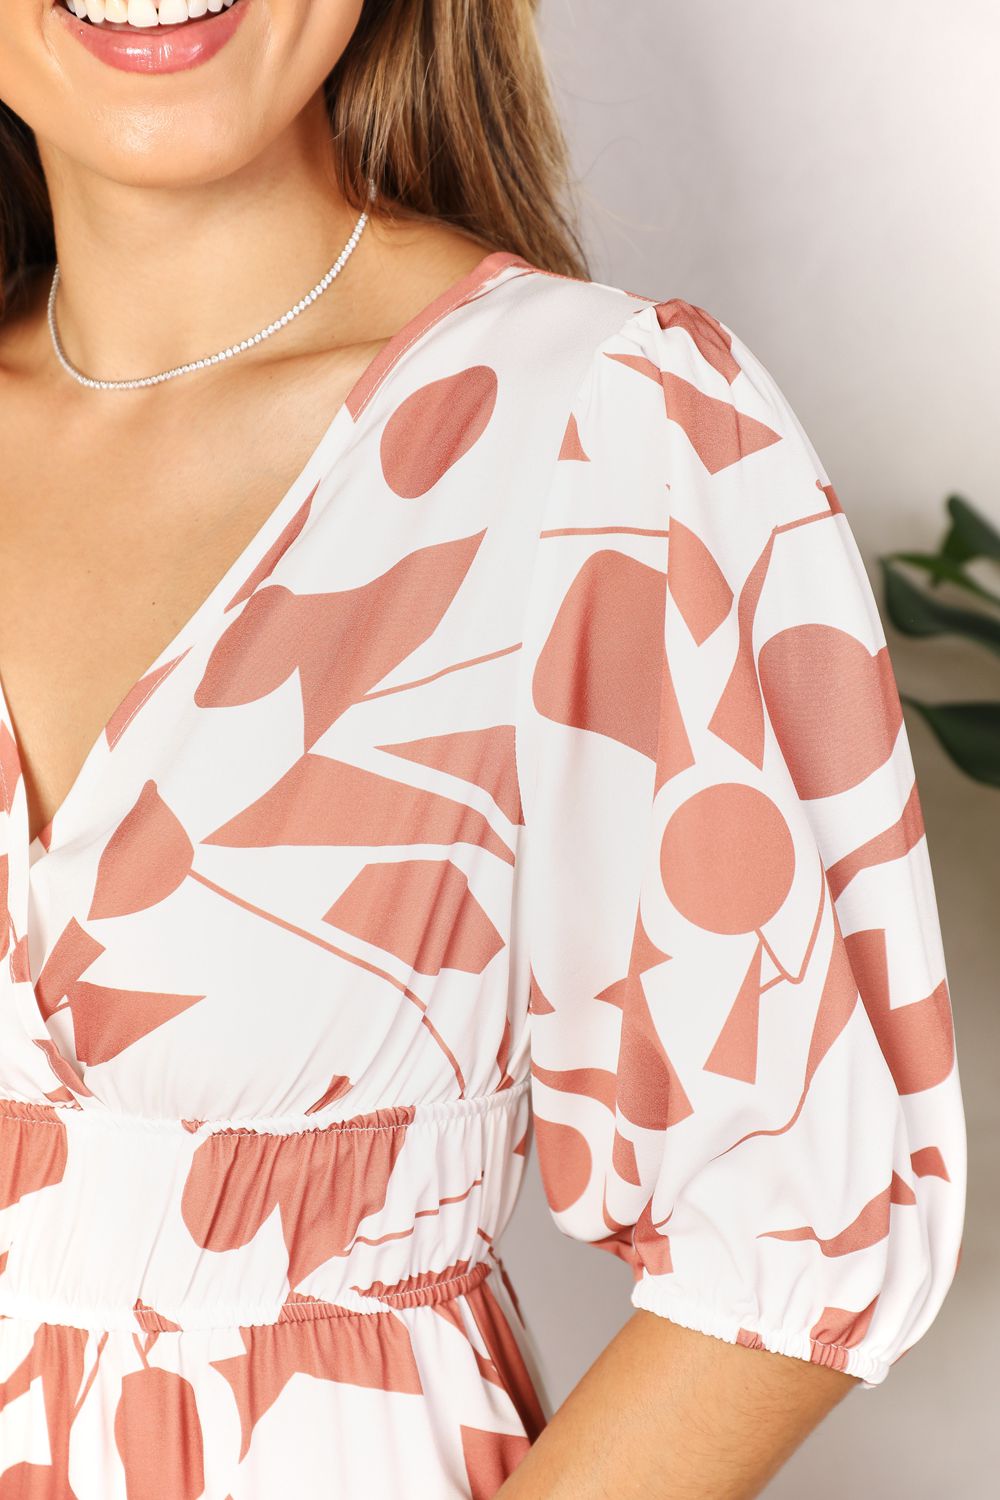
(653, 1294)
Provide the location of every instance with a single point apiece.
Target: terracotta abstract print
(536, 774)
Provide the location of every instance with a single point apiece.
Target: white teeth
(142, 13)
(145, 13)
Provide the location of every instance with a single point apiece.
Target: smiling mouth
(144, 15)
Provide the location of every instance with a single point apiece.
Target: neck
(154, 276)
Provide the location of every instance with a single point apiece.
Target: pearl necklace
(211, 359)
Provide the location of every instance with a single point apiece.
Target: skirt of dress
(435, 1401)
(193, 1311)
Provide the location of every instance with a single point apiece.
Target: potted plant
(943, 598)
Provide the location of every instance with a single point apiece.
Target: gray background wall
(826, 180)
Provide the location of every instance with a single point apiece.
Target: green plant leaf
(942, 569)
(969, 732)
(915, 613)
(971, 534)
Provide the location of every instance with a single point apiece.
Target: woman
(372, 772)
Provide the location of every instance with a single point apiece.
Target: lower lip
(160, 49)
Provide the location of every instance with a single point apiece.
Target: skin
(669, 1413)
(190, 210)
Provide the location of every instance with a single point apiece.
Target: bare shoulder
(411, 261)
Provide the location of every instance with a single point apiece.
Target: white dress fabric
(536, 774)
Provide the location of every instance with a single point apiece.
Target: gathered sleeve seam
(650, 1294)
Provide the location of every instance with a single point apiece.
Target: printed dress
(537, 774)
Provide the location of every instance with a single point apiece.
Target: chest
(297, 831)
(287, 857)
(114, 535)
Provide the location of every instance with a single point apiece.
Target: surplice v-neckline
(342, 424)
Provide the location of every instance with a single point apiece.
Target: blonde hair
(444, 104)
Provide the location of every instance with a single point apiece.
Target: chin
(167, 152)
(177, 103)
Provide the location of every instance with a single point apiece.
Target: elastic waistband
(111, 1222)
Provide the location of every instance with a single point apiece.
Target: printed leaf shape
(56, 1358)
(738, 719)
(927, 1161)
(719, 433)
(917, 1039)
(72, 954)
(236, 1180)
(275, 552)
(433, 428)
(323, 801)
(714, 344)
(564, 1161)
(372, 1350)
(572, 450)
(484, 757)
(490, 1458)
(650, 1093)
(337, 1087)
(423, 912)
(833, 706)
(697, 584)
(604, 664)
(158, 1436)
(870, 1226)
(30, 1159)
(145, 860)
(735, 1052)
(106, 1020)
(341, 644)
(599, 1084)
